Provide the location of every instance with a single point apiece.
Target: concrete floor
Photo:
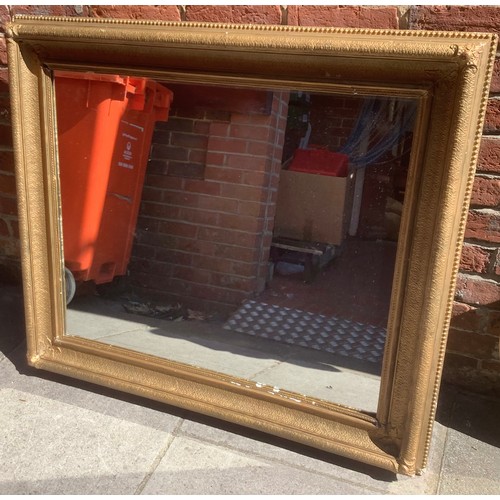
(208, 345)
(62, 436)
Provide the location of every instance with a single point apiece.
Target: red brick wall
(472, 352)
(207, 213)
(472, 356)
(332, 119)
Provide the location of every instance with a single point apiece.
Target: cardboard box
(313, 208)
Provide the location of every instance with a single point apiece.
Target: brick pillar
(207, 215)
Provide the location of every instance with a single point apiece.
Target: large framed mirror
(258, 223)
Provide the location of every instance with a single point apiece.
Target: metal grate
(315, 331)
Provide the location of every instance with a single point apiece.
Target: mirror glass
(251, 232)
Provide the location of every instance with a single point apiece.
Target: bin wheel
(70, 285)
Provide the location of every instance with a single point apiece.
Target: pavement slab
(196, 467)
(49, 447)
(59, 435)
(264, 447)
(471, 464)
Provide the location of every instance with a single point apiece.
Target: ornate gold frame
(449, 75)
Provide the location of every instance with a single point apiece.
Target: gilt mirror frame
(447, 73)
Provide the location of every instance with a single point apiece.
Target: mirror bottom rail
(341, 431)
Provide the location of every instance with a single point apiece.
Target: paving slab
(196, 467)
(209, 345)
(198, 343)
(265, 447)
(60, 436)
(49, 447)
(471, 464)
(193, 351)
(63, 436)
(331, 383)
(97, 442)
(16, 374)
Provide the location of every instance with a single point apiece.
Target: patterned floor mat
(315, 331)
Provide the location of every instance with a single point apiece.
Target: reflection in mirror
(248, 232)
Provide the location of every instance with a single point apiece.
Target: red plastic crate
(321, 162)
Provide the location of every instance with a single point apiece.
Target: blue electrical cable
(370, 114)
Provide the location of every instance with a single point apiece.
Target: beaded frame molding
(447, 73)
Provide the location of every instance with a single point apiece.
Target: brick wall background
(472, 358)
(207, 212)
(472, 351)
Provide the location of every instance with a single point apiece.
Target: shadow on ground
(467, 413)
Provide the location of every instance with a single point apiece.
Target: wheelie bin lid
(159, 99)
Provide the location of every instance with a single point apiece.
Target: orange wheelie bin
(105, 127)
